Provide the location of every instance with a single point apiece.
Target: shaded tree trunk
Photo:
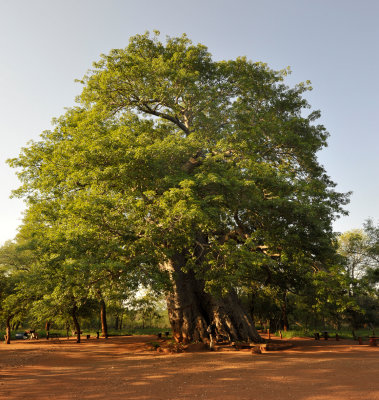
(76, 323)
(8, 330)
(191, 309)
(103, 318)
(15, 326)
(284, 317)
(116, 323)
(354, 319)
(274, 324)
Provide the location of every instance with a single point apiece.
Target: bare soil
(129, 368)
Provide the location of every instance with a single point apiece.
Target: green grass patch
(343, 333)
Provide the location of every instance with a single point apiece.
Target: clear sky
(46, 44)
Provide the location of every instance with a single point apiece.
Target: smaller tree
(359, 249)
(16, 261)
(146, 307)
(372, 251)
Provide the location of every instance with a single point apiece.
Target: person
(32, 334)
(212, 335)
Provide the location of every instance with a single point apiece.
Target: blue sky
(46, 44)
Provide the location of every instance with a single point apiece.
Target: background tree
(360, 251)
(16, 262)
(372, 248)
(146, 307)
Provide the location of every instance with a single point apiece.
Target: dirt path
(127, 368)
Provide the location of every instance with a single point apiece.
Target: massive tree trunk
(191, 309)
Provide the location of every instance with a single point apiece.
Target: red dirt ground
(128, 368)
